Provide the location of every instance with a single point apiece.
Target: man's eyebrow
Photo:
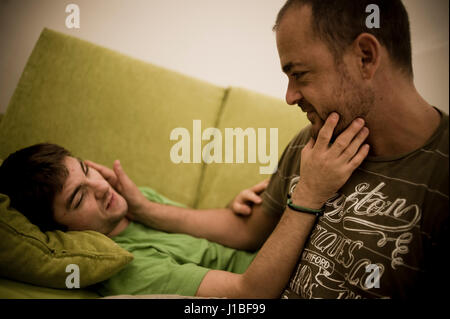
(287, 67)
(72, 196)
(84, 167)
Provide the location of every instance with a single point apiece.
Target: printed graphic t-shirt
(383, 235)
(168, 263)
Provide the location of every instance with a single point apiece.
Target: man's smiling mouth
(110, 201)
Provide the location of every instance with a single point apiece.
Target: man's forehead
(294, 36)
(70, 162)
(296, 21)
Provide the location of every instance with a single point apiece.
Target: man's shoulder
(443, 132)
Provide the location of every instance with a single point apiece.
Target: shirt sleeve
(275, 195)
(155, 273)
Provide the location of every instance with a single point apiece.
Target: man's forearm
(278, 256)
(269, 272)
(218, 225)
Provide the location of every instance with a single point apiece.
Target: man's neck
(121, 226)
(402, 122)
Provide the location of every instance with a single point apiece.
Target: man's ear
(368, 51)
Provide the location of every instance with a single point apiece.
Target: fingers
(97, 166)
(242, 209)
(355, 145)
(248, 195)
(326, 132)
(343, 141)
(243, 203)
(121, 175)
(359, 157)
(106, 172)
(124, 183)
(261, 186)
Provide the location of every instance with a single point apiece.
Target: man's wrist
(143, 212)
(301, 196)
(302, 209)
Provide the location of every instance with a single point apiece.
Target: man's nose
(293, 95)
(99, 186)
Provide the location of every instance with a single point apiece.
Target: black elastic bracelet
(301, 209)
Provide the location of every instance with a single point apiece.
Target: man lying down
(180, 250)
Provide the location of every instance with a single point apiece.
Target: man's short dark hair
(339, 22)
(31, 177)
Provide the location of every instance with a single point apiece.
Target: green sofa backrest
(102, 106)
(245, 109)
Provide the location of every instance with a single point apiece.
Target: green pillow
(31, 256)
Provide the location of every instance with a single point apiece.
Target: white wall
(226, 42)
(429, 33)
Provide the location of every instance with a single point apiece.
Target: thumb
(253, 197)
(258, 188)
(121, 175)
(241, 209)
(310, 145)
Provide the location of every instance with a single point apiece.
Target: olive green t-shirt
(384, 234)
(168, 263)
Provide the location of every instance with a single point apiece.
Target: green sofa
(102, 106)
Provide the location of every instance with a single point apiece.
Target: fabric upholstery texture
(103, 106)
(245, 109)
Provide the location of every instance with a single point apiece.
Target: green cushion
(102, 106)
(246, 109)
(30, 256)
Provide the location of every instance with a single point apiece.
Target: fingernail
(334, 116)
(359, 121)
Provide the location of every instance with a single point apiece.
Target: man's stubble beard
(355, 101)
